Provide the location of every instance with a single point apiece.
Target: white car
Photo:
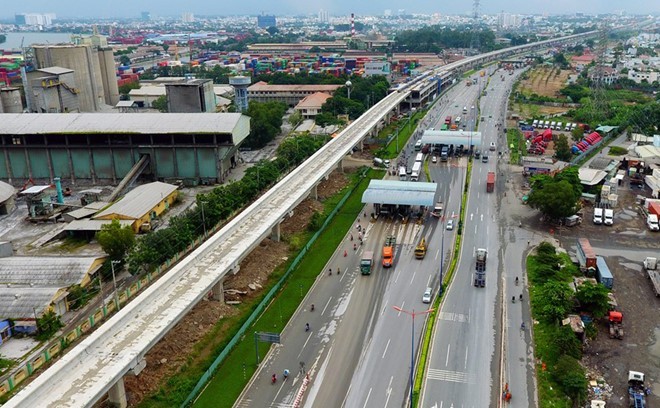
(426, 298)
(434, 159)
(492, 146)
(450, 225)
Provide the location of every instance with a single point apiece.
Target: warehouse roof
(58, 271)
(263, 86)
(451, 137)
(139, 201)
(591, 177)
(400, 193)
(93, 225)
(6, 191)
(22, 302)
(148, 91)
(315, 100)
(55, 70)
(148, 123)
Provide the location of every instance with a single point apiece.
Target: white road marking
(389, 391)
(482, 217)
(471, 215)
(436, 254)
(428, 281)
(326, 305)
(413, 277)
(396, 278)
(386, 347)
(367, 400)
(451, 376)
(343, 403)
(306, 341)
(447, 359)
(466, 355)
(401, 307)
(384, 306)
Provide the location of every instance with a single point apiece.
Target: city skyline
(169, 8)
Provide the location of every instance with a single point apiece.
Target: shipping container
(585, 254)
(604, 274)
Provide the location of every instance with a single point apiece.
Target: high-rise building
(387, 13)
(191, 96)
(32, 19)
(188, 17)
(146, 16)
(324, 16)
(264, 21)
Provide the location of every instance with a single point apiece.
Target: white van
(553, 124)
(464, 109)
(418, 145)
(559, 126)
(568, 127)
(598, 216)
(535, 123)
(546, 124)
(403, 175)
(609, 216)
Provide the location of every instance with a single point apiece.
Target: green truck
(367, 262)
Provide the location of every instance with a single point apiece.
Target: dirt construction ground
(624, 246)
(544, 81)
(173, 351)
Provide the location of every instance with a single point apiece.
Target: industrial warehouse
(191, 148)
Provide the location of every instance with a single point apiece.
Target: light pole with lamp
(348, 84)
(412, 344)
(114, 282)
(201, 204)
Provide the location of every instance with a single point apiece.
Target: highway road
(464, 366)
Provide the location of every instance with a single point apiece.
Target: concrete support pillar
(340, 165)
(219, 291)
(275, 233)
(361, 145)
(117, 395)
(315, 192)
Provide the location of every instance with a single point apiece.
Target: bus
(419, 157)
(457, 120)
(403, 176)
(418, 145)
(417, 168)
(444, 127)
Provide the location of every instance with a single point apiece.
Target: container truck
(388, 251)
(367, 262)
(616, 325)
(585, 255)
(609, 216)
(490, 182)
(636, 390)
(480, 268)
(651, 266)
(603, 273)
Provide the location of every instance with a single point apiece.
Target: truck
(651, 218)
(603, 273)
(636, 390)
(367, 262)
(437, 209)
(609, 216)
(598, 216)
(490, 182)
(572, 221)
(448, 120)
(468, 82)
(444, 154)
(616, 325)
(585, 255)
(651, 267)
(388, 251)
(420, 249)
(416, 170)
(480, 268)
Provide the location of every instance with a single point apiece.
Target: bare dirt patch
(172, 352)
(544, 81)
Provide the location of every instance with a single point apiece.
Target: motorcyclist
(521, 297)
(516, 280)
(273, 379)
(522, 326)
(306, 327)
(329, 271)
(286, 373)
(513, 299)
(312, 307)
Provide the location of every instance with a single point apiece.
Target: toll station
(393, 198)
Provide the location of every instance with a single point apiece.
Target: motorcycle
(513, 299)
(273, 379)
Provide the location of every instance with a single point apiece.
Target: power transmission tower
(599, 105)
(474, 40)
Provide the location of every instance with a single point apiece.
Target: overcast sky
(107, 9)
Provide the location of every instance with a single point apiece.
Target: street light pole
(201, 203)
(114, 282)
(412, 344)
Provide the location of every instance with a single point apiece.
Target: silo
(109, 75)
(10, 100)
(83, 60)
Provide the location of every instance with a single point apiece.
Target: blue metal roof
(400, 193)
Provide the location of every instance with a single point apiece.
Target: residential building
(264, 21)
(310, 106)
(289, 94)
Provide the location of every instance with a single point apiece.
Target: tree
(567, 343)
(116, 240)
(562, 150)
(593, 298)
(48, 324)
(577, 134)
(554, 199)
(265, 122)
(126, 89)
(160, 103)
(560, 60)
(553, 301)
(272, 30)
(570, 376)
(295, 118)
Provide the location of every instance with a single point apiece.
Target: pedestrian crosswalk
(451, 376)
(454, 317)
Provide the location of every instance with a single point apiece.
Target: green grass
(618, 151)
(234, 373)
(515, 144)
(405, 130)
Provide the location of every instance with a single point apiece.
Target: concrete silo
(10, 100)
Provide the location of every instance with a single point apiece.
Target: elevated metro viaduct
(97, 365)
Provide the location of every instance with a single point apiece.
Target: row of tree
(365, 92)
(436, 38)
(556, 197)
(552, 300)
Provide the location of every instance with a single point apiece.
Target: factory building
(190, 148)
(289, 94)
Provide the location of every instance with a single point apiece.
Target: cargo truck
(480, 268)
(616, 325)
(585, 255)
(420, 249)
(437, 209)
(651, 266)
(367, 262)
(603, 273)
(388, 251)
(490, 182)
(636, 390)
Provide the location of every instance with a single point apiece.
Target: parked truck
(585, 255)
(636, 389)
(651, 267)
(420, 249)
(480, 268)
(616, 325)
(650, 211)
(388, 251)
(490, 182)
(437, 209)
(603, 273)
(367, 262)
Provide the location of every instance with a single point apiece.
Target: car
(492, 146)
(477, 154)
(450, 225)
(484, 158)
(434, 159)
(426, 298)
(386, 163)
